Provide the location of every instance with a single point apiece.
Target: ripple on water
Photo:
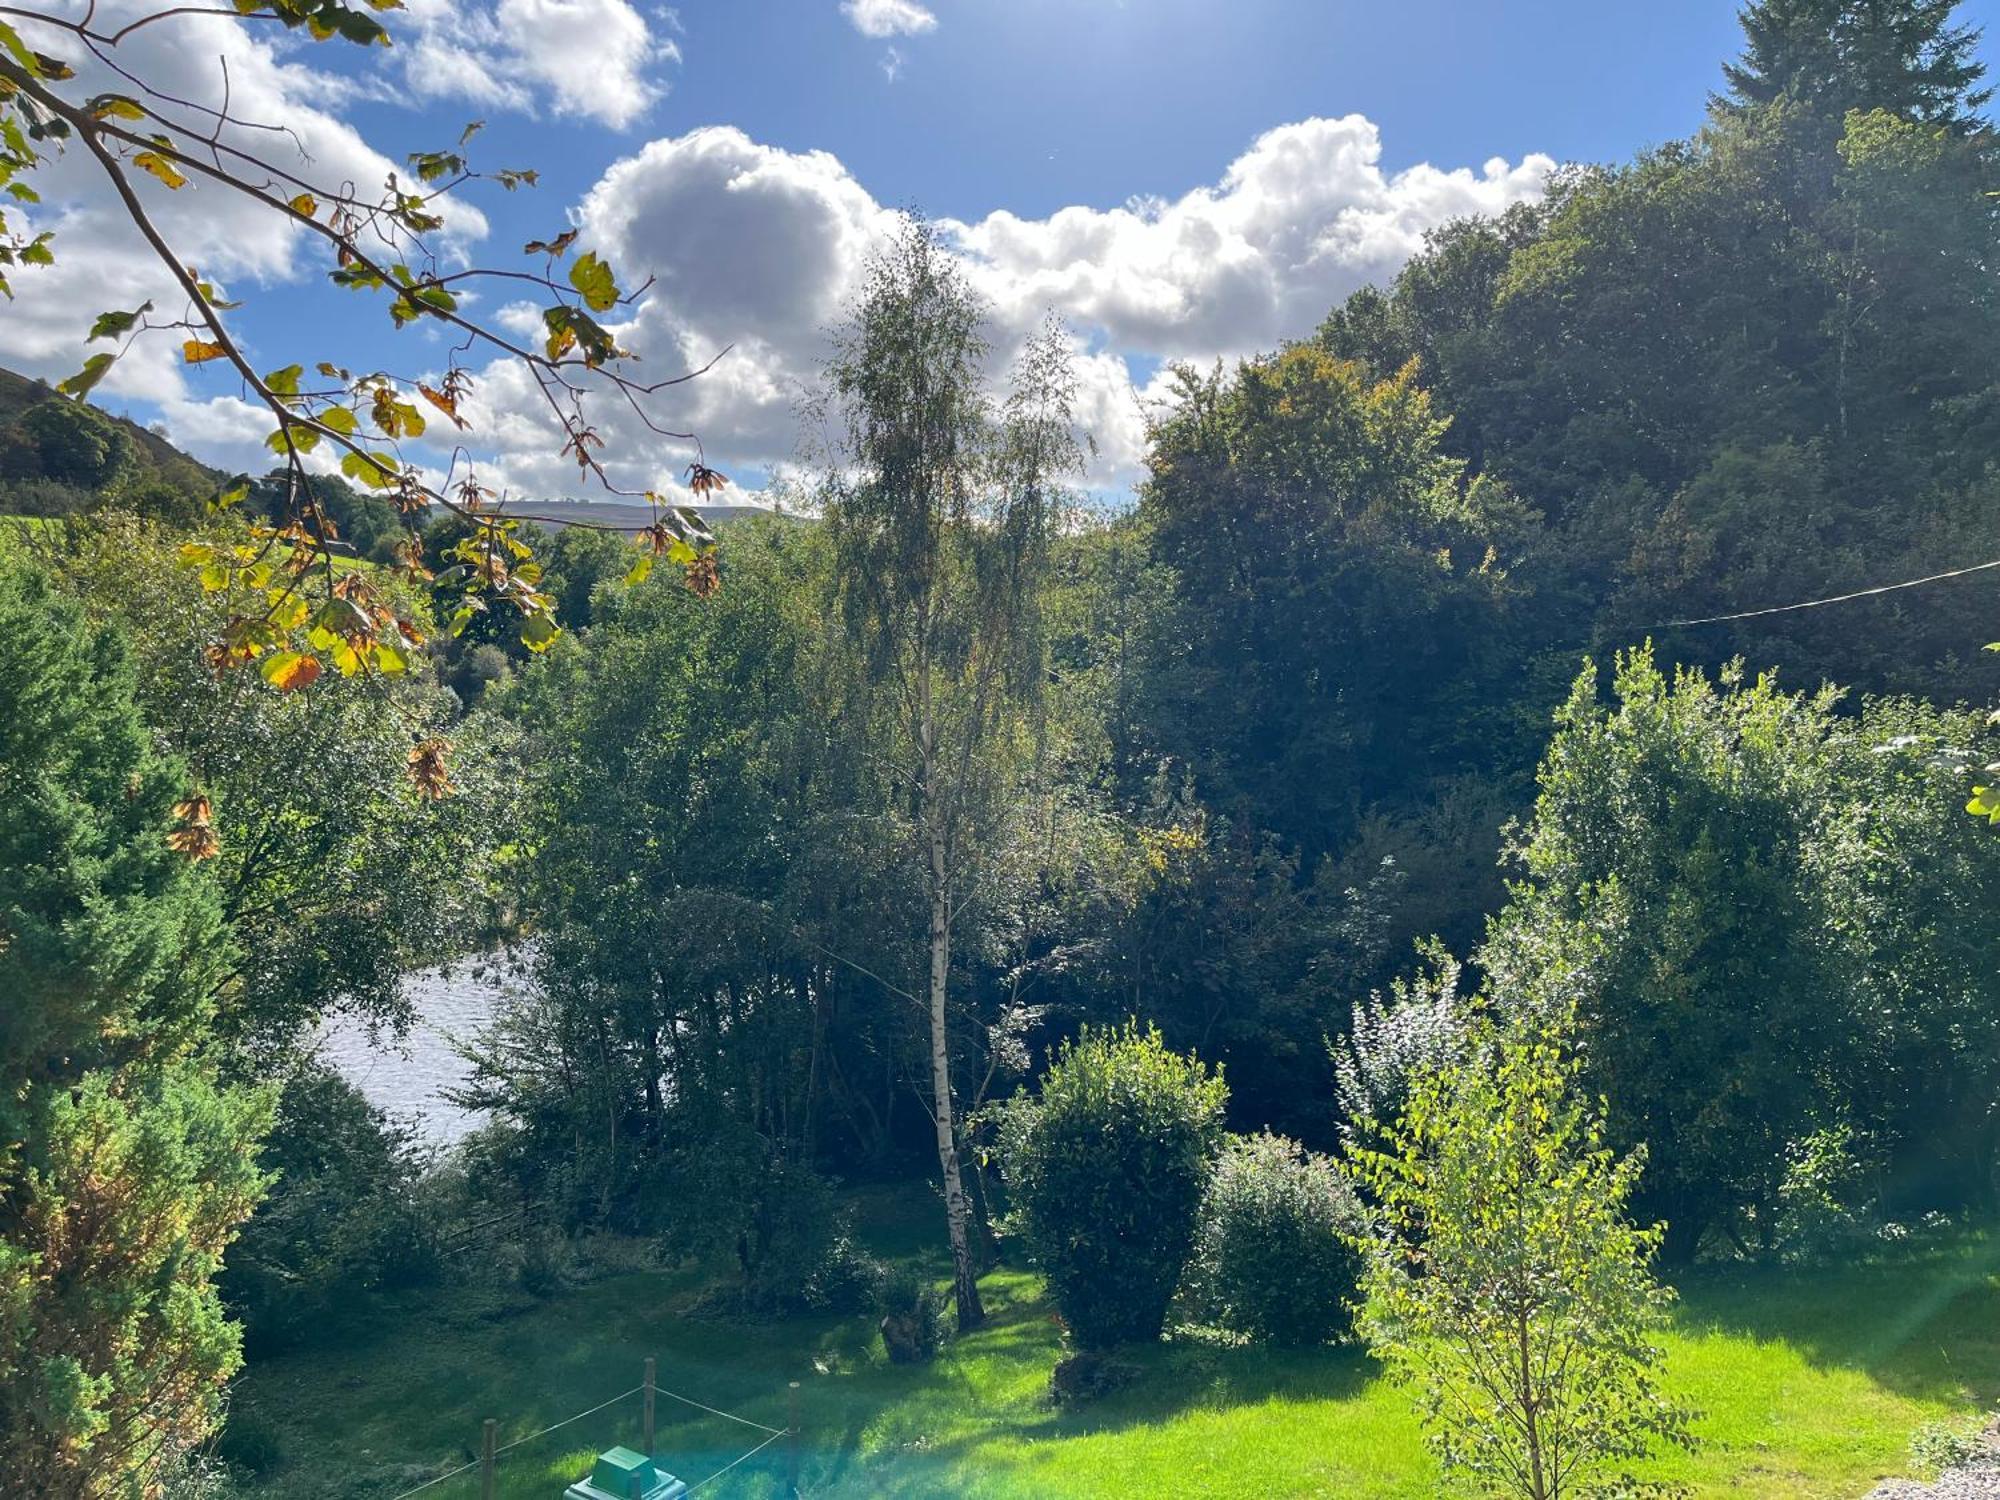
(407, 1077)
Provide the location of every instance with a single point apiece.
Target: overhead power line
(1780, 609)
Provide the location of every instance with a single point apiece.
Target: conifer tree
(1906, 56)
(124, 1168)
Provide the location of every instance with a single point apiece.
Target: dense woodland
(1391, 712)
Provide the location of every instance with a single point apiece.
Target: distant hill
(68, 457)
(618, 514)
(83, 450)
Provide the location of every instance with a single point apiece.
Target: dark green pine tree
(1906, 56)
(124, 1168)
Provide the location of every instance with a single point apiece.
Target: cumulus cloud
(1301, 219)
(594, 59)
(887, 18)
(746, 246)
(758, 248)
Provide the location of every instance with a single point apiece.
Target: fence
(491, 1449)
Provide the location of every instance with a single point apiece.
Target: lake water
(407, 1077)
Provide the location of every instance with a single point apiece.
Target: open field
(1810, 1382)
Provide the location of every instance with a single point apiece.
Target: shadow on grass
(919, 1430)
(1922, 1321)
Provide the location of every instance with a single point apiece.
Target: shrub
(1084, 1378)
(1936, 1448)
(1823, 1198)
(793, 1245)
(1422, 1025)
(1107, 1169)
(1274, 1259)
(343, 1219)
(912, 1316)
(545, 1261)
(847, 1277)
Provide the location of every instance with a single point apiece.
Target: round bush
(1274, 1259)
(1107, 1169)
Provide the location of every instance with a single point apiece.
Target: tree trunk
(1531, 1423)
(964, 1274)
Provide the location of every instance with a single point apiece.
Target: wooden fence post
(652, 1369)
(792, 1465)
(486, 1441)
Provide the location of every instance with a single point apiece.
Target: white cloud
(1301, 219)
(886, 18)
(759, 247)
(596, 59)
(746, 245)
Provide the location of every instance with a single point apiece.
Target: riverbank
(1810, 1383)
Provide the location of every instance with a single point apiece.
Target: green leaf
(362, 30)
(539, 632)
(292, 440)
(10, 39)
(79, 384)
(376, 470)
(640, 570)
(285, 382)
(115, 107)
(592, 277)
(110, 325)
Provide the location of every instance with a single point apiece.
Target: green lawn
(1809, 1383)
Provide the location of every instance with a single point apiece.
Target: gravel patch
(1977, 1479)
(1980, 1482)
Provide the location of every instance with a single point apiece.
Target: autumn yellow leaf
(288, 671)
(160, 167)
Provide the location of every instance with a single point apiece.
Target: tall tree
(941, 510)
(1905, 56)
(127, 1169)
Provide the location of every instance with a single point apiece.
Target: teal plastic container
(621, 1474)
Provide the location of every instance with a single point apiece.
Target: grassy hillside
(1810, 1383)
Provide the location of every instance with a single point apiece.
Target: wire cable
(453, 1474)
(621, 1396)
(734, 1462)
(1779, 609)
(660, 1390)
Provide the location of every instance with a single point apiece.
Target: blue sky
(1176, 178)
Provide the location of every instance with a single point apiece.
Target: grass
(1810, 1383)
